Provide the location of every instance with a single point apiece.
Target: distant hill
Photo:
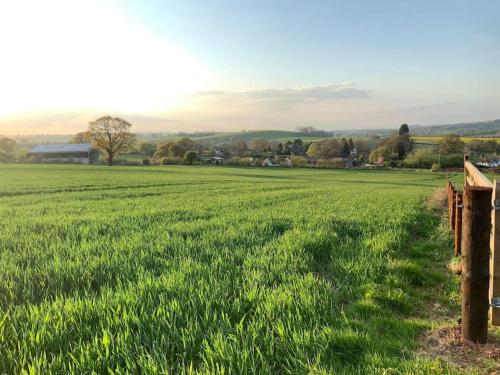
(469, 128)
(272, 135)
(475, 129)
(483, 128)
(490, 128)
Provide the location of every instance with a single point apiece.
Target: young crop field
(437, 138)
(212, 270)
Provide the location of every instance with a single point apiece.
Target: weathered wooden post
(450, 201)
(458, 224)
(453, 207)
(476, 226)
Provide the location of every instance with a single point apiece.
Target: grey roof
(61, 148)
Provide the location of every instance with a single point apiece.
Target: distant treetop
(404, 129)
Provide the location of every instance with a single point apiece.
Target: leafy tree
(280, 148)
(313, 149)
(451, 144)
(162, 150)
(483, 147)
(186, 144)
(329, 149)
(404, 129)
(297, 147)
(176, 150)
(351, 144)
(82, 137)
(147, 149)
(382, 153)
(190, 157)
(111, 135)
(362, 147)
(345, 150)
(397, 146)
(7, 149)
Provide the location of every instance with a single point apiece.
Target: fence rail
(474, 214)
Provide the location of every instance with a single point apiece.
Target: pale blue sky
(297, 43)
(228, 65)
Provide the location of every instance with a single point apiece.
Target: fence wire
(457, 180)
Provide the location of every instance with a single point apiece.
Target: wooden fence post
(453, 207)
(495, 252)
(450, 202)
(458, 224)
(476, 219)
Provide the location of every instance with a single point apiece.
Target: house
(81, 153)
(219, 152)
(267, 163)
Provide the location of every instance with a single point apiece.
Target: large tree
(111, 135)
(451, 144)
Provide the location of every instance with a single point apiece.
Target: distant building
(81, 153)
(219, 152)
(267, 163)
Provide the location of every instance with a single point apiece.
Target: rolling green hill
(271, 135)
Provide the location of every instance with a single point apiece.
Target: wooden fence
(473, 208)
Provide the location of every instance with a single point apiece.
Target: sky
(231, 65)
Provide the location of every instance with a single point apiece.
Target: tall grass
(194, 270)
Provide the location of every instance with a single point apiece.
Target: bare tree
(259, 144)
(111, 135)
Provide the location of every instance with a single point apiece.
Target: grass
(235, 270)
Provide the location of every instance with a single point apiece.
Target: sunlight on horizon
(86, 55)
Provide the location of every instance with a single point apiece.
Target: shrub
(246, 162)
(435, 167)
(452, 161)
(420, 158)
(190, 157)
(330, 163)
(171, 161)
(233, 161)
(146, 162)
(426, 158)
(299, 161)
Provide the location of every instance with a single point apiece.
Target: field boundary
(473, 206)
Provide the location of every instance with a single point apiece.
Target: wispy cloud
(287, 97)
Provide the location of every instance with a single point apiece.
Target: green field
(205, 269)
(437, 139)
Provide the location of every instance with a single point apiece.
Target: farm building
(82, 153)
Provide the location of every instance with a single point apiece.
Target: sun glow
(59, 54)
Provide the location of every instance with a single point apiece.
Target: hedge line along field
(206, 269)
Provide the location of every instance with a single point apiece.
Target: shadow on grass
(388, 301)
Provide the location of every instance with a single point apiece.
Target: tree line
(112, 136)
